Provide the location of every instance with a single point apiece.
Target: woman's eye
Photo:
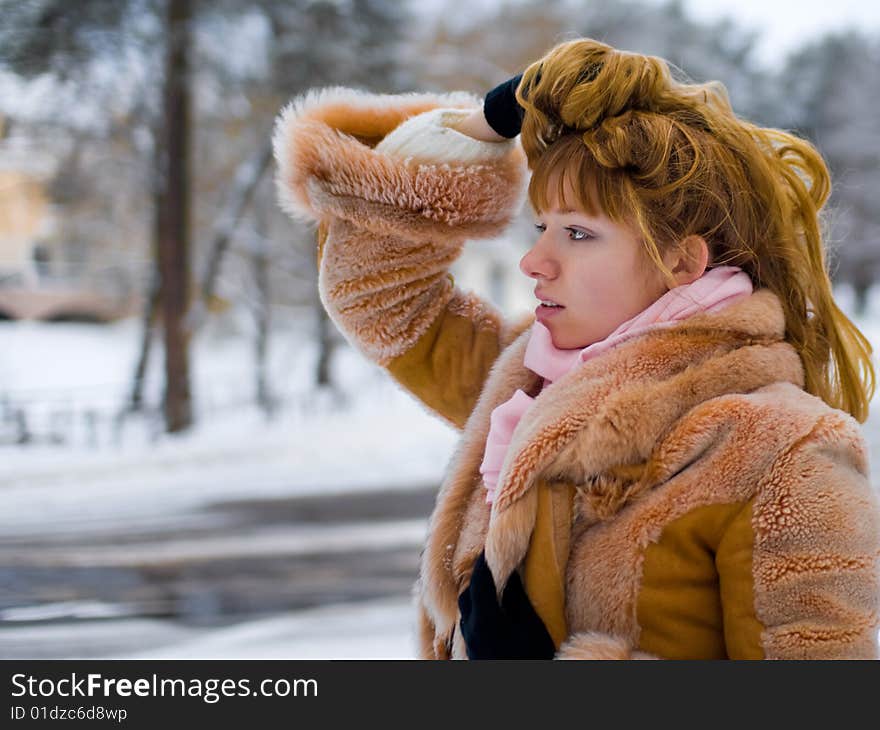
(574, 233)
(577, 235)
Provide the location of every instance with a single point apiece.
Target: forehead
(562, 197)
(560, 181)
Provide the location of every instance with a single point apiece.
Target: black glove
(501, 109)
(512, 630)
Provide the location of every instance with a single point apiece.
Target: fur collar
(598, 427)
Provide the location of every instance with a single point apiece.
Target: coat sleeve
(395, 192)
(797, 565)
(799, 570)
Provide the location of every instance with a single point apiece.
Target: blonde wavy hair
(672, 159)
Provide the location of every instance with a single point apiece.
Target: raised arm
(396, 191)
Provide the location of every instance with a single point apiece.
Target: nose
(538, 262)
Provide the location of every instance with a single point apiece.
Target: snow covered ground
(375, 629)
(380, 629)
(379, 438)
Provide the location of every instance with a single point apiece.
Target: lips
(548, 307)
(545, 314)
(547, 302)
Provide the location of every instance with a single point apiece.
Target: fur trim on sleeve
(446, 184)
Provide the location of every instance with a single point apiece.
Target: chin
(563, 343)
(569, 341)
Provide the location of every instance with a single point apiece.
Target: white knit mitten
(429, 138)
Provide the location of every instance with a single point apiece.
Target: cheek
(616, 286)
(606, 280)
(653, 285)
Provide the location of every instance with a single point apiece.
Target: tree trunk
(323, 332)
(174, 199)
(151, 306)
(247, 179)
(136, 399)
(861, 283)
(262, 312)
(325, 346)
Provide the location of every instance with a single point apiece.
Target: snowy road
(297, 577)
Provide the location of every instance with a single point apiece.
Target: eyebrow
(561, 211)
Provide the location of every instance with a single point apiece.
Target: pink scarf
(716, 289)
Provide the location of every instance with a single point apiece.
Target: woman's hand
(500, 117)
(475, 125)
(512, 630)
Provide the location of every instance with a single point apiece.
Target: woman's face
(594, 269)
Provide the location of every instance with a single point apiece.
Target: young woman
(665, 461)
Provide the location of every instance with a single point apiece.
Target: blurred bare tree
(199, 66)
(832, 90)
(51, 36)
(477, 51)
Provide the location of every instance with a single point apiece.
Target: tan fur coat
(695, 501)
